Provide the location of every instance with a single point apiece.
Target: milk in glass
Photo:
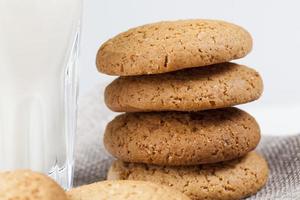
(38, 85)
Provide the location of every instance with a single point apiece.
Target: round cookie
(24, 184)
(224, 181)
(125, 190)
(173, 45)
(217, 86)
(181, 138)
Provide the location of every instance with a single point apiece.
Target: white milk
(36, 42)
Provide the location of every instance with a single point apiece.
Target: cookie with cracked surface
(172, 45)
(25, 184)
(125, 190)
(182, 138)
(217, 86)
(223, 181)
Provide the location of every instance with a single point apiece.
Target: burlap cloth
(92, 161)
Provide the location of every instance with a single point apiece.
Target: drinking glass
(39, 42)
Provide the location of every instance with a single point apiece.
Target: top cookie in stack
(169, 46)
(183, 66)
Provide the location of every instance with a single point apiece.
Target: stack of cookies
(176, 87)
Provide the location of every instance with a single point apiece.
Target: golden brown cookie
(224, 181)
(125, 190)
(217, 86)
(173, 45)
(176, 138)
(28, 185)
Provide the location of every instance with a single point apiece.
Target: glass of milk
(38, 85)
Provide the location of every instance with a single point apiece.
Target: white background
(274, 25)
